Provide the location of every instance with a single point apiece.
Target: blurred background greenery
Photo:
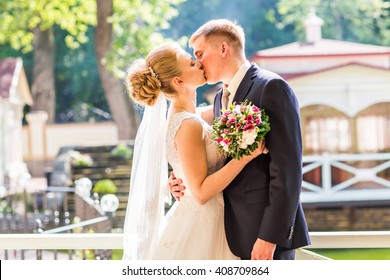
(137, 26)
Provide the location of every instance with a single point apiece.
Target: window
(373, 133)
(327, 134)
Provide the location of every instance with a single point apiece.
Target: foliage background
(267, 23)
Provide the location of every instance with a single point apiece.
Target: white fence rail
(320, 240)
(342, 239)
(375, 187)
(350, 239)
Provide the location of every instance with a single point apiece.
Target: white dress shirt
(237, 79)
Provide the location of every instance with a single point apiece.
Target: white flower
(243, 145)
(249, 136)
(225, 146)
(237, 111)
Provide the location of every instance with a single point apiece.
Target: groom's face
(207, 52)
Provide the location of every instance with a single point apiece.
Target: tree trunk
(43, 89)
(121, 108)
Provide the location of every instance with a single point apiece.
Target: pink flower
(225, 145)
(232, 120)
(249, 127)
(255, 109)
(258, 119)
(249, 118)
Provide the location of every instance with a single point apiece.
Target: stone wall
(358, 218)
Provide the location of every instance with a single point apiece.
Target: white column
(313, 26)
(37, 134)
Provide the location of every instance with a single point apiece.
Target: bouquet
(239, 129)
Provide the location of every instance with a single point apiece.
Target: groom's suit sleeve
(285, 170)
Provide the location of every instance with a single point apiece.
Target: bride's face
(192, 71)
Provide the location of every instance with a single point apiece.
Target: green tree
(27, 25)
(365, 21)
(127, 30)
(77, 81)
(138, 26)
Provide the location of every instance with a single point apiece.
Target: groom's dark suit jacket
(263, 200)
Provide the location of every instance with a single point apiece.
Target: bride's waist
(187, 192)
(189, 197)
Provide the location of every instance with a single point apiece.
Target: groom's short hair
(221, 27)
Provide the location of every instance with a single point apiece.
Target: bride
(193, 228)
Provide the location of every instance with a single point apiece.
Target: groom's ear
(224, 48)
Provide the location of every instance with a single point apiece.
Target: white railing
(61, 241)
(375, 187)
(356, 239)
(84, 241)
(349, 239)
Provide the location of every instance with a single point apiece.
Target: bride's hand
(261, 149)
(175, 186)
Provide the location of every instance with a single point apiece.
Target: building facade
(343, 89)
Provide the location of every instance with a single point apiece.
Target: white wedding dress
(191, 231)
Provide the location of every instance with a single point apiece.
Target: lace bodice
(214, 160)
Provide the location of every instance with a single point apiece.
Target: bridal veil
(149, 174)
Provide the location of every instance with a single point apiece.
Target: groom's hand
(175, 186)
(263, 250)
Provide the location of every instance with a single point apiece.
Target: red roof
(289, 76)
(323, 47)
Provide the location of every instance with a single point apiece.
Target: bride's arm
(192, 154)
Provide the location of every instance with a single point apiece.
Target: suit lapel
(245, 85)
(217, 104)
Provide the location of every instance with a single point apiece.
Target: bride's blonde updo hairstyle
(146, 78)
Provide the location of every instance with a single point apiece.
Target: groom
(263, 213)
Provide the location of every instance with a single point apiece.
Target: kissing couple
(247, 208)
